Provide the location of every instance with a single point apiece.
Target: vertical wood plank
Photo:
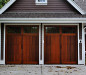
(13, 53)
(52, 49)
(69, 49)
(30, 48)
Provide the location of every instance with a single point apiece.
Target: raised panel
(13, 49)
(69, 49)
(52, 49)
(30, 49)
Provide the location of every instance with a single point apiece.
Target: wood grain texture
(69, 49)
(22, 48)
(60, 48)
(13, 52)
(52, 49)
(31, 49)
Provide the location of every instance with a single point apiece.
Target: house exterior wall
(52, 6)
(56, 12)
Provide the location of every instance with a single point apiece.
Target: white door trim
(83, 45)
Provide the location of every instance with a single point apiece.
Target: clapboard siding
(53, 5)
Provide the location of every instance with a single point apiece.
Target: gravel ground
(42, 70)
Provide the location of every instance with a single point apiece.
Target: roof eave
(6, 6)
(76, 7)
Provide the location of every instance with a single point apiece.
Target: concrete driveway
(42, 70)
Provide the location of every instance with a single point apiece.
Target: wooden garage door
(22, 45)
(60, 45)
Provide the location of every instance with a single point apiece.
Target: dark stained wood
(30, 48)
(13, 50)
(60, 48)
(52, 6)
(69, 49)
(52, 49)
(22, 48)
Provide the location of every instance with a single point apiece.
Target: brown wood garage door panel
(13, 49)
(52, 49)
(69, 49)
(30, 49)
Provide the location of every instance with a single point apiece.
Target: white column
(41, 45)
(40, 61)
(83, 45)
(78, 45)
(2, 61)
(81, 62)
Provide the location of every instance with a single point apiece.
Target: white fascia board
(76, 7)
(42, 20)
(6, 6)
